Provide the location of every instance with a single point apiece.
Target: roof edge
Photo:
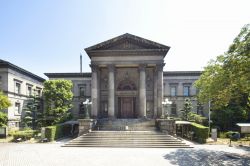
(67, 75)
(21, 70)
(126, 35)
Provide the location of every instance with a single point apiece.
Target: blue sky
(49, 35)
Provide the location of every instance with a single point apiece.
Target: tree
(226, 80)
(186, 109)
(3, 119)
(58, 99)
(4, 101)
(4, 104)
(225, 118)
(32, 112)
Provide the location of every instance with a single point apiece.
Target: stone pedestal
(167, 126)
(86, 125)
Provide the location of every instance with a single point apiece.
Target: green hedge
(193, 117)
(200, 132)
(58, 131)
(24, 135)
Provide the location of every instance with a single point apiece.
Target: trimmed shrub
(24, 135)
(200, 132)
(58, 131)
(193, 117)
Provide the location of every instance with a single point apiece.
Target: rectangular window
(81, 91)
(17, 124)
(186, 91)
(173, 91)
(29, 91)
(17, 108)
(17, 88)
(173, 109)
(38, 92)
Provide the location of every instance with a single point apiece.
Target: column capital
(111, 67)
(94, 67)
(159, 67)
(142, 67)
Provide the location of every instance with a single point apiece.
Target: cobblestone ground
(53, 154)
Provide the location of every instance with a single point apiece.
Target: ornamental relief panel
(126, 45)
(127, 79)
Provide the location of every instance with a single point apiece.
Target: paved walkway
(52, 154)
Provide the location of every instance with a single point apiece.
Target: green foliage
(24, 135)
(32, 111)
(58, 99)
(58, 131)
(4, 101)
(3, 119)
(197, 118)
(200, 132)
(186, 109)
(226, 80)
(225, 119)
(12, 132)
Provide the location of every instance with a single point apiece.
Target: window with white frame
(38, 92)
(186, 90)
(17, 108)
(17, 87)
(173, 91)
(29, 90)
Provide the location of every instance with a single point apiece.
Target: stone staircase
(126, 133)
(127, 139)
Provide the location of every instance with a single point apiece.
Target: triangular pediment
(127, 42)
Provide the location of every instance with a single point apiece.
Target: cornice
(6, 64)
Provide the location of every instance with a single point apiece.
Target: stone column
(142, 92)
(159, 68)
(94, 91)
(111, 92)
(155, 93)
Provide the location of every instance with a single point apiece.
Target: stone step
(130, 146)
(127, 142)
(128, 139)
(120, 124)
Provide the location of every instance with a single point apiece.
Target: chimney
(80, 63)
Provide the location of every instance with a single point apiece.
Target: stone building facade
(18, 84)
(128, 81)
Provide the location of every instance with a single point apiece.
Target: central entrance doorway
(126, 107)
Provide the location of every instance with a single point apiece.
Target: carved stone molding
(94, 67)
(159, 67)
(142, 67)
(111, 67)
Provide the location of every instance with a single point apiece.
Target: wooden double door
(126, 107)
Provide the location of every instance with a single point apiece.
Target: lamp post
(87, 103)
(165, 103)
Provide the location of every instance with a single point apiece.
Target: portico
(127, 78)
